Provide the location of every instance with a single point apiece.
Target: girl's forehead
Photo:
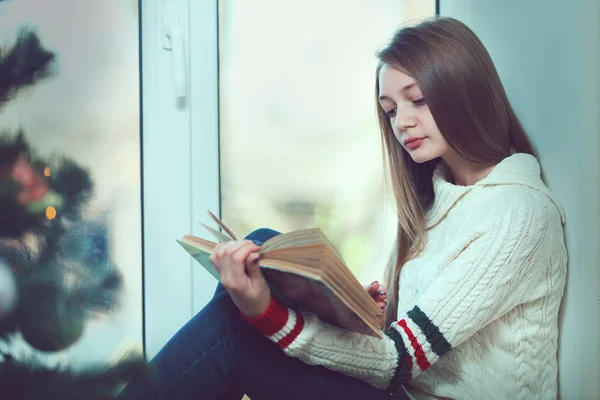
(390, 75)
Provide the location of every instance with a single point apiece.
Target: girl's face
(411, 120)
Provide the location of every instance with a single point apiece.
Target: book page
(317, 256)
(201, 256)
(220, 236)
(222, 225)
(198, 243)
(302, 237)
(325, 240)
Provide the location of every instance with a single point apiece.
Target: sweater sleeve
(499, 269)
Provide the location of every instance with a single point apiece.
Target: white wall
(547, 56)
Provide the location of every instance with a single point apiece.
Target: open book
(306, 273)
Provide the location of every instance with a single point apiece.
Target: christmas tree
(50, 282)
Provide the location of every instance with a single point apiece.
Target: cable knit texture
(478, 308)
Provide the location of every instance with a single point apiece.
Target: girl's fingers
(372, 289)
(377, 291)
(381, 293)
(252, 267)
(253, 258)
(230, 259)
(239, 259)
(233, 254)
(240, 255)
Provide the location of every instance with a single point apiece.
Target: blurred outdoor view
(89, 111)
(300, 145)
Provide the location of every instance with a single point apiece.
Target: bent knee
(261, 235)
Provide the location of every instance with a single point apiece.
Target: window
(89, 112)
(300, 146)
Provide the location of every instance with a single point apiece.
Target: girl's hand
(236, 262)
(378, 293)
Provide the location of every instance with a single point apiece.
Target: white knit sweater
(477, 309)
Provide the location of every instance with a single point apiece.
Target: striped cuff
(425, 344)
(419, 344)
(279, 323)
(403, 371)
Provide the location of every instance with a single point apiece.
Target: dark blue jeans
(217, 355)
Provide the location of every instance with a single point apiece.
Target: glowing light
(50, 212)
(47, 172)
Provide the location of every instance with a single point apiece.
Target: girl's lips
(413, 143)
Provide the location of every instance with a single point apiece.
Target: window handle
(173, 41)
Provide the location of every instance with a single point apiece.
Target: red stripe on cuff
(290, 337)
(272, 320)
(422, 361)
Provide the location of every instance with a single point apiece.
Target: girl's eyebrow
(409, 86)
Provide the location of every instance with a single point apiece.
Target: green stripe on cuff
(404, 367)
(436, 339)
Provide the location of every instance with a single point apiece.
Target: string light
(50, 212)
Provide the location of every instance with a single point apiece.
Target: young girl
(478, 270)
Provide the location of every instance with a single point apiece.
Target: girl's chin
(421, 157)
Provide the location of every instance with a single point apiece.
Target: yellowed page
(220, 236)
(222, 225)
(302, 237)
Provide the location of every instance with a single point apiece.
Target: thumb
(252, 266)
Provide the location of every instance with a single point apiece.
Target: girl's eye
(391, 113)
(419, 102)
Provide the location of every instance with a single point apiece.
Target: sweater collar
(517, 169)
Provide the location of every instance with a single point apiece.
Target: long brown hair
(469, 105)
